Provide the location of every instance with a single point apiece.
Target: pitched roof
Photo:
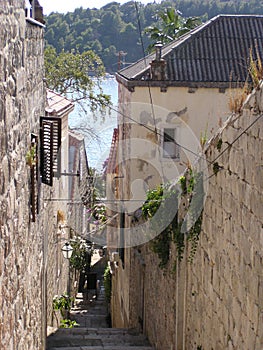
(214, 53)
(112, 162)
(57, 104)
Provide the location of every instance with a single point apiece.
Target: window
(170, 147)
(50, 143)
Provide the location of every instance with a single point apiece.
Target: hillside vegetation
(116, 32)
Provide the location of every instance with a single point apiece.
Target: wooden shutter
(34, 181)
(50, 143)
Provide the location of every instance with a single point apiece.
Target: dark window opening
(170, 146)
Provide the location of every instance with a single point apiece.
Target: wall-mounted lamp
(67, 250)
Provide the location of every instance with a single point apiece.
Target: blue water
(98, 138)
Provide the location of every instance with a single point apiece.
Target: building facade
(170, 103)
(33, 144)
(22, 102)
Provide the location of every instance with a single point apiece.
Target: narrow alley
(93, 332)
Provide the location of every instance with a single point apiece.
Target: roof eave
(131, 84)
(60, 113)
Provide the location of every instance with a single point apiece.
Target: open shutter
(50, 138)
(56, 147)
(34, 180)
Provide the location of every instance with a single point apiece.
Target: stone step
(83, 333)
(102, 331)
(115, 347)
(105, 339)
(93, 333)
(92, 338)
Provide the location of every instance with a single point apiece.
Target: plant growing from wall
(178, 239)
(182, 182)
(203, 139)
(219, 144)
(31, 156)
(237, 98)
(193, 237)
(161, 246)
(195, 214)
(160, 201)
(192, 187)
(255, 68)
(216, 168)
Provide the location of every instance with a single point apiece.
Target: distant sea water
(98, 140)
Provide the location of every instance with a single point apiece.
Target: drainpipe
(122, 225)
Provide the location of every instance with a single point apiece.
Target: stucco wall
(202, 108)
(145, 113)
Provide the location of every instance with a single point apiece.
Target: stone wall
(25, 281)
(224, 293)
(215, 302)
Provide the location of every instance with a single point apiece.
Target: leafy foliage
(160, 201)
(160, 204)
(114, 27)
(66, 323)
(31, 156)
(81, 255)
(97, 209)
(62, 303)
(170, 25)
(107, 283)
(97, 214)
(69, 74)
(195, 213)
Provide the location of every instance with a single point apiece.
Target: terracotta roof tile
(57, 104)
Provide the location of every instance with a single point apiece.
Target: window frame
(174, 140)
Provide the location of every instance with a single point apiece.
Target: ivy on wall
(161, 203)
(164, 201)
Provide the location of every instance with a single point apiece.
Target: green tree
(109, 57)
(170, 25)
(81, 255)
(76, 76)
(113, 25)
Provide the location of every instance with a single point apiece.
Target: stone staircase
(93, 332)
